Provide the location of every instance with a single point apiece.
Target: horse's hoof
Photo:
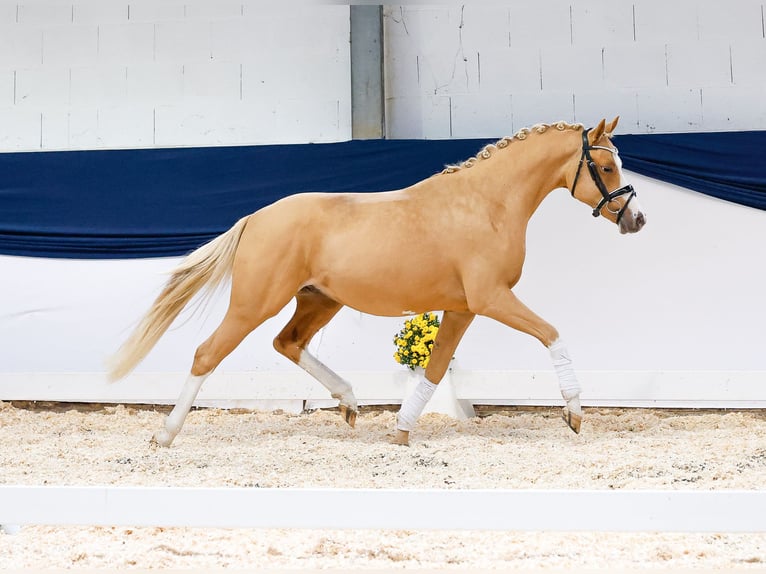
(161, 438)
(401, 438)
(573, 420)
(348, 414)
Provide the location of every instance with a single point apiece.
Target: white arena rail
(267, 390)
(522, 510)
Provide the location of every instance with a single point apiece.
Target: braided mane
(487, 150)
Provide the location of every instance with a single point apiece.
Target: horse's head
(599, 181)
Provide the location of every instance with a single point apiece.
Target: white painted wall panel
(670, 110)
(414, 24)
(44, 13)
(735, 109)
(485, 27)
(749, 62)
(458, 74)
(21, 128)
(280, 27)
(508, 70)
(98, 13)
(601, 22)
(635, 65)
(419, 117)
(83, 129)
(591, 107)
(289, 74)
(42, 88)
(538, 23)
(20, 47)
(7, 80)
(156, 84)
(401, 70)
(481, 116)
(70, 46)
(182, 42)
(8, 12)
(233, 40)
(742, 19)
(125, 44)
(72, 64)
(639, 52)
(571, 67)
(93, 86)
(429, 38)
(677, 21)
(245, 38)
(215, 81)
(297, 116)
(200, 125)
(206, 11)
(548, 106)
(127, 125)
(241, 122)
(55, 129)
(700, 64)
(152, 11)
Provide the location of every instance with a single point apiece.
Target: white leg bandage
(175, 419)
(339, 389)
(570, 388)
(414, 405)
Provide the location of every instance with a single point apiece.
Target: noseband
(593, 169)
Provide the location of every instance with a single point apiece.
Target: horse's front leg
(452, 328)
(505, 307)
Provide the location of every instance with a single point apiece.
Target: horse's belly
(390, 297)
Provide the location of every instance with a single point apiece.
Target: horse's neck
(521, 175)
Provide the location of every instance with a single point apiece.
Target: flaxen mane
(487, 150)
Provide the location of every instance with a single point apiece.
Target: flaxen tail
(207, 267)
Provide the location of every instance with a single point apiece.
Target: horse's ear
(611, 126)
(595, 134)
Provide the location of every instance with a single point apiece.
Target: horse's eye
(607, 169)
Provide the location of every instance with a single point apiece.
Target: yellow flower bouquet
(415, 341)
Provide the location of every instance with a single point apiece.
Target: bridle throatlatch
(586, 158)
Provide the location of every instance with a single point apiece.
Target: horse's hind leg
(252, 302)
(452, 328)
(313, 311)
(232, 330)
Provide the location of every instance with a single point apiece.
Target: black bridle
(593, 169)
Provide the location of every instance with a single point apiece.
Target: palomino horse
(331, 250)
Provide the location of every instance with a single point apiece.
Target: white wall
(115, 73)
(479, 70)
(119, 74)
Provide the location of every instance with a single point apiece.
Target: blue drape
(164, 202)
(727, 165)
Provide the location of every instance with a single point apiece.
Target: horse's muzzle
(632, 221)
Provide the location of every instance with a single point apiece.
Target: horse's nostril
(640, 219)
